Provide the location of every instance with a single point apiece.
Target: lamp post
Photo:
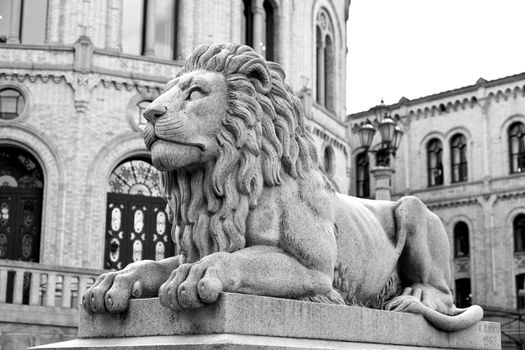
(391, 135)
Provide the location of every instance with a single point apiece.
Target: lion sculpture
(253, 213)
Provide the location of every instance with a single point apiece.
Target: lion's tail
(460, 319)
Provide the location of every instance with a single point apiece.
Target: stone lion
(253, 213)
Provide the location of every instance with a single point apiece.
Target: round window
(12, 103)
(140, 120)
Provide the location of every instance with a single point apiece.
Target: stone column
(258, 12)
(320, 73)
(149, 38)
(14, 28)
(113, 25)
(185, 29)
(382, 176)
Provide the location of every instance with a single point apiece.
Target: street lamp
(391, 135)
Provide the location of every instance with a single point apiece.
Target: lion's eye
(195, 93)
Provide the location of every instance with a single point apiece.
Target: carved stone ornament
(252, 213)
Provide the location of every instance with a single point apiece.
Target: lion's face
(183, 122)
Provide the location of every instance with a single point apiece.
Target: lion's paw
(193, 285)
(411, 300)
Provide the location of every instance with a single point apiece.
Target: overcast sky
(415, 48)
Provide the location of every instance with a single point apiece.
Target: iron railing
(512, 323)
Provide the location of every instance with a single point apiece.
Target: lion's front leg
(261, 270)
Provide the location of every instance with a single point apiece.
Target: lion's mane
(263, 135)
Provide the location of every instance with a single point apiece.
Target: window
(518, 228)
(463, 293)
(21, 188)
(458, 151)
(12, 103)
(148, 27)
(461, 240)
(135, 205)
(434, 162)
(520, 291)
(23, 21)
(517, 147)
(362, 175)
(259, 27)
(328, 160)
(325, 61)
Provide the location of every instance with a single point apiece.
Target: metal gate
(137, 228)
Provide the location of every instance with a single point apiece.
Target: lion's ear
(259, 75)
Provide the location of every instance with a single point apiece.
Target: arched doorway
(21, 188)
(137, 226)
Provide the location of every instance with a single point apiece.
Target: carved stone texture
(238, 321)
(252, 212)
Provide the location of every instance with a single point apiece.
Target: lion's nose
(154, 111)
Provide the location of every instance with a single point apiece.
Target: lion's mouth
(150, 138)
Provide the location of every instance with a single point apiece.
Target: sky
(414, 48)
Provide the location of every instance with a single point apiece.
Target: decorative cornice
(455, 104)
(83, 84)
(32, 76)
(451, 203)
(68, 77)
(511, 195)
(322, 134)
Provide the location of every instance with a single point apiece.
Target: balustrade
(43, 285)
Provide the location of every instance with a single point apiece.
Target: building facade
(77, 191)
(463, 154)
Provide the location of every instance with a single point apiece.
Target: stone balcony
(39, 303)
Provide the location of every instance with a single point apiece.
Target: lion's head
(224, 128)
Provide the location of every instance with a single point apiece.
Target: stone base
(238, 321)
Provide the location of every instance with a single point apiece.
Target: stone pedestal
(383, 177)
(240, 321)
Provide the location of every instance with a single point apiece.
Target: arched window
(329, 69)
(520, 291)
(23, 21)
(136, 222)
(12, 103)
(434, 162)
(362, 167)
(328, 160)
(21, 187)
(518, 227)
(268, 48)
(325, 61)
(461, 240)
(259, 27)
(463, 293)
(517, 147)
(458, 158)
(149, 27)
